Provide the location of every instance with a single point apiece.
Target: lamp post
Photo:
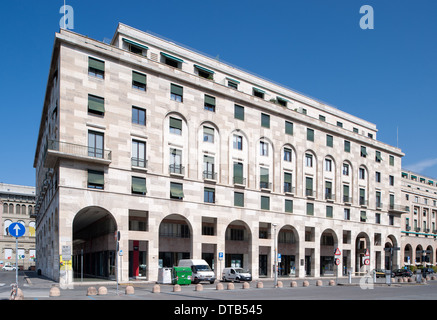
(276, 254)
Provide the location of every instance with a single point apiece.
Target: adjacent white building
(190, 157)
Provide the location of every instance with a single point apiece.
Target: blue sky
(387, 75)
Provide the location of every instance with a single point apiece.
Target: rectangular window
(209, 103)
(378, 199)
(310, 209)
(339, 124)
(96, 105)
(264, 178)
(204, 72)
(139, 154)
(238, 142)
(392, 160)
(209, 195)
(238, 173)
(363, 201)
(208, 134)
(378, 157)
(289, 206)
(96, 68)
(346, 197)
(258, 93)
(329, 212)
(363, 216)
(328, 165)
(391, 180)
(139, 81)
(238, 199)
(377, 218)
(175, 126)
(308, 160)
(208, 168)
(263, 148)
(233, 83)
(347, 214)
(176, 92)
(322, 118)
(329, 140)
(309, 186)
(176, 161)
(310, 134)
(95, 144)
(239, 112)
(288, 187)
(265, 120)
(345, 169)
(176, 191)
(139, 185)
(287, 154)
(282, 101)
(138, 116)
(362, 173)
(328, 190)
(363, 152)
(265, 203)
(289, 128)
(378, 176)
(96, 179)
(347, 146)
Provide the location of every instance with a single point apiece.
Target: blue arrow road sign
(16, 229)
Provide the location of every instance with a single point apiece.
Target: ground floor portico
(157, 233)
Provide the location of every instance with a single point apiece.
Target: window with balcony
(95, 144)
(328, 191)
(139, 154)
(288, 186)
(208, 168)
(309, 191)
(176, 161)
(264, 178)
(238, 173)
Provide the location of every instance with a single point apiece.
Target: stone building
(189, 157)
(17, 204)
(419, 233)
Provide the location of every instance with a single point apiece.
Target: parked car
(236, 274)
(402, 273)
(8, 267)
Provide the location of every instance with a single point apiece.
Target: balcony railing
(347, 199)
(310, 193)
(265, 185)
(239, 180)
(288, 188)
(139, 162)
(398, 208)
(176, 169)
(210, 175)
(58, 149)
(329, 196)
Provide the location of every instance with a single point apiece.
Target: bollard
(129, 290)
(230, 286)
(176, 288)
(331, 282)
(260, 285)
(279, 284)
(156, 289)
(319, 283)
(305, 283)
(54, 292)
(245, 285)
(219, 286)
(102, 291)
(293, 284)
(91, 291)
(199, 287)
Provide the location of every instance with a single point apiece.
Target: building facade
(17, 205)
(188, 157)
(419, 233)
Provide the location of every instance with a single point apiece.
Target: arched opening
(94, 244)
(175, 240)
(328, 244)
(288, 247)
(408, 254)
(238, 239)
(391, 253)
(418, 260)
(362, 252)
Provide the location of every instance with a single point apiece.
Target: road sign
(16, 229)
(279, 257)
(366, 262)
(220, 256)
(337, 252)
(367, 253)
(337, 261)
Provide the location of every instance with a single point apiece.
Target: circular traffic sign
(366, 262)
(337, 261)
(16, 229)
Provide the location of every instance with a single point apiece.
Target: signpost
(16, 230)
(337, 253)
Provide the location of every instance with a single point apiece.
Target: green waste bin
(182, 275)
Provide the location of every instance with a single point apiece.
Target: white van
(236, 274)
(200, 268)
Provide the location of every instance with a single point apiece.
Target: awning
(171, 57)
(203, 69)
(135, 44)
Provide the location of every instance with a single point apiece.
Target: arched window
(5, 208)
(6, 227)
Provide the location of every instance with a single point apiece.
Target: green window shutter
(288, 127)
(265, 120)
(310, 134)
(329, 212)
(239, 112)
(208, 130)
(96, 64)
(177, 90)
(347, 146)
(264, 175)
(135, 44)
(363, 215)
(363, 151)
(238, 199)
(96, 177)
(238, 172)
(310, 209)
(203, 69)
(329, 140)
(139, 185)
(210, 100)
(309, 183)
(289, 206)
(392, 160)
(265, 203)
(96, 103)
(328, 185)
(176, 190)
(378, 156)
(139, 77)
(362, 193)
(392, 200)
(287, 177)
(175, 123)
